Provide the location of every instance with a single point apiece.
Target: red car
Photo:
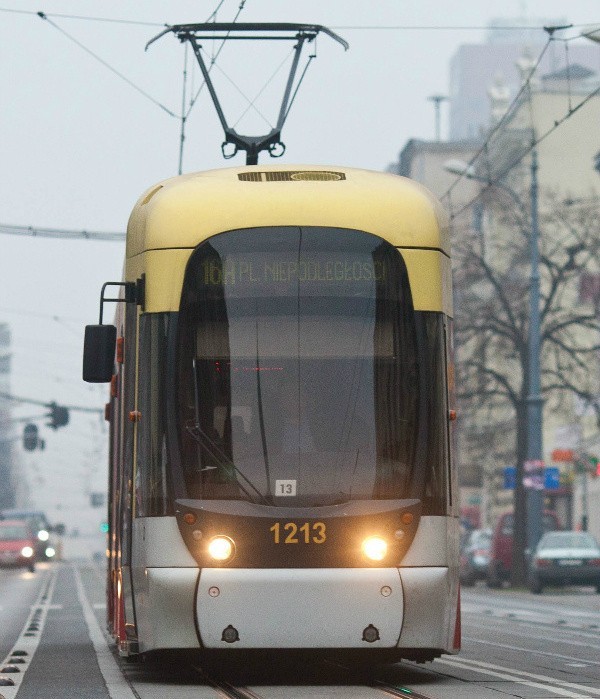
(17, 544)
(500, 558)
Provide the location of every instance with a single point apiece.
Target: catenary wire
(351, 27)
(107, 65)
(241, 92)
(85, 18)
(535, 140)
(264, 87)
(34, 231)
(491, 182)
(213, 59)
(500, 123)
(525, 152)
(185, 114)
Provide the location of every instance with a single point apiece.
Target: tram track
(224, 688)
(385, 687)
(392, 691)
(228, 690)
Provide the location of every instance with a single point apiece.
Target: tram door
(123, 425)
(128, 390)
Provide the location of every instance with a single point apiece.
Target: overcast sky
(78, 144)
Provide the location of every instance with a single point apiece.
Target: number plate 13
(292, 533)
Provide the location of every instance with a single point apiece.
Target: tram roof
(183, 211)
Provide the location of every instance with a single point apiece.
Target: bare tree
(491, 281)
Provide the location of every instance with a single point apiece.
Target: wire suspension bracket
(300, 33)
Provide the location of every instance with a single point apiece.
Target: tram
(280, 417)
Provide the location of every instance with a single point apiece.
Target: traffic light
(30, 437)
(97, 499)
(58, 416)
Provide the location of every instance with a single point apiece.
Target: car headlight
(375, 548)
(27, 552)
(221, 548)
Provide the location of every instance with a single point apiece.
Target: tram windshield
(298, 378)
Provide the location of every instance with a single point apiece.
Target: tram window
(434, 369)
(305, 337)
(152, 481)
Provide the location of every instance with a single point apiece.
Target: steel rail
(228, 690)
(394, 691)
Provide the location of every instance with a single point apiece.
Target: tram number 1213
(291, 533)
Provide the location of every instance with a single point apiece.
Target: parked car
(565, 558)
(500, 561)
(17, 544)
(46, 539)
(474, 556)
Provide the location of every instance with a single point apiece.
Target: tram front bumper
(300, 608)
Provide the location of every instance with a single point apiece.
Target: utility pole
(534, 465)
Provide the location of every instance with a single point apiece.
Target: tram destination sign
(251, 270)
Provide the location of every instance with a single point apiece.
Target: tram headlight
(27, 552)
(43, 535)
(50, 552)
(221, 548)
(375, 548)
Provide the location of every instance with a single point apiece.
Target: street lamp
(437, 101)
(534, 465)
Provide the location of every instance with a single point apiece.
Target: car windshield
(37, 520)
(300, 377)
(568, 540)
(13, 533)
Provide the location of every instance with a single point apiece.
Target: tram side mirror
(99, 353)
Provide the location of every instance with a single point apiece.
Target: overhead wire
(185, 114)
(34, 231)
(107, 65)
(526, 151)
(213, 15)
(85, 18)
(350, 27)
(214, 58)
(536, 139)
(505, 117)
(242, 93)
(447, 195)
(264, 87)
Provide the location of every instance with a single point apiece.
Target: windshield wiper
(261, 420)
(221, 459)
(213, 449)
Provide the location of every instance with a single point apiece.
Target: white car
(565, 558)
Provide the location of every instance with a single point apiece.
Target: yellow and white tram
(280, 417)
